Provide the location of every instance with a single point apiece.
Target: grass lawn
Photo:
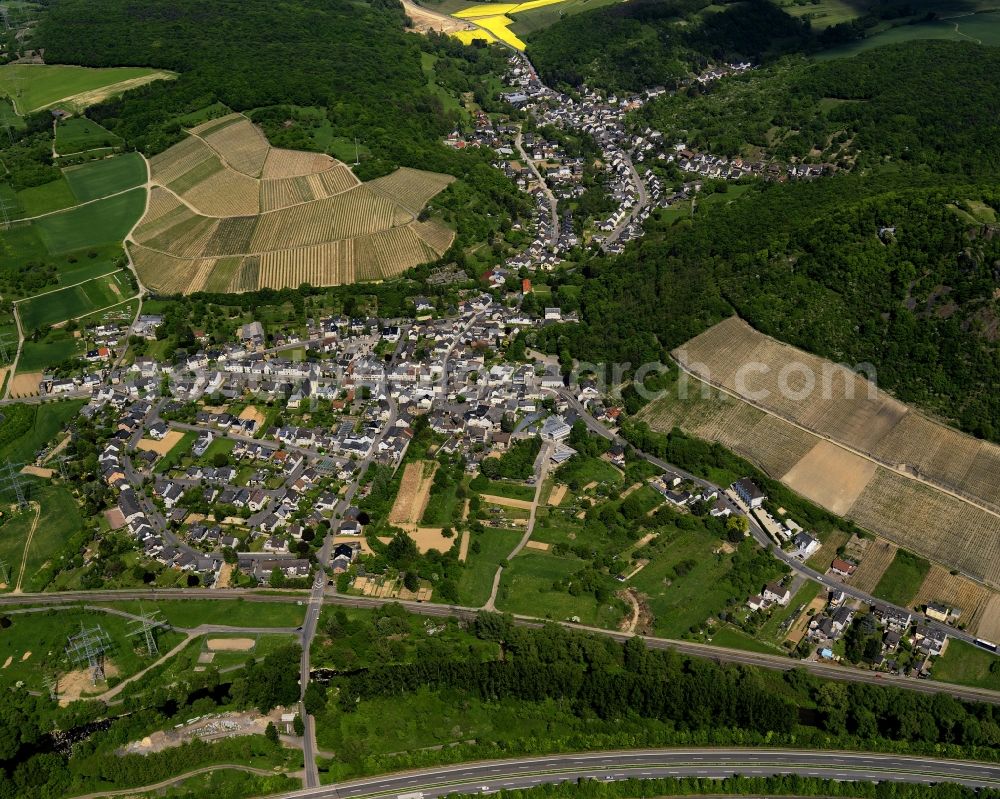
(526, 587)
(74, 301)
(580, 471)
(60, 519)
(502, 488)
(732, 638)
(25, 429)
(55, 348)
(42, 636)
(443, 507)
(44, 199)
(680, 601)
(103, 222)
(234, 612)
(823, 14)
(108, 176)
(78, 267)
(195, 118)
(223, 446)
(178, 451)
(771, 630)
(903, 578)
(76, 134)
(477, 577)
(982, 28)
(35, 86)
(966, 664)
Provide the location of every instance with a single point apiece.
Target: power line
(146, 625)
(89, 647)
(11, 480)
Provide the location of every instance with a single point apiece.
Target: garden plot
(414, 492)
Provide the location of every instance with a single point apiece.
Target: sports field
(229, 213)
(36, 86)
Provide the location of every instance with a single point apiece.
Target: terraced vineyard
(411, 188)
(224, 200)
(765, 440)
(930, 522)
(956, 592)
(878, 556)
(938, 493)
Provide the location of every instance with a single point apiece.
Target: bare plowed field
(437, 236)
(776, 376)
(989, 624)
(347, 215)
(157, 270)
(330, 264)
(931, 523)
(225, 193)
(390, 252)
(294, 163)
(945, 456)
(172, 164)
(284, 192)
(830, 476)
(957, 592)
(414, 491)
(734, 355)
(924, 518)
(771, 443)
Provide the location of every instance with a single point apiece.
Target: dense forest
(604, 680)
(855, 112)
(856, 270)
(644, 43)
(346, 69)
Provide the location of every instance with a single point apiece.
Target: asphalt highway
(490, 776)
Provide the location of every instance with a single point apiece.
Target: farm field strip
(931, 523)
(871, 422)
(33, 87)
(295, 163)
(411, 188)
(437, 236)
(956, 592)
(772, 444)
(238, 141)
(877, 558)
(319, 224)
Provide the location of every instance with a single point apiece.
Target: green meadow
(36, 86)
